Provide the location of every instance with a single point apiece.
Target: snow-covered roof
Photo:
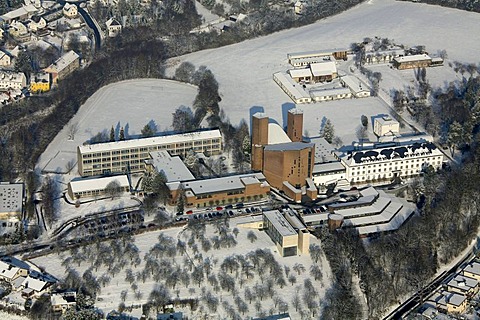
(300, 73)
(153, 141)
(451, 298)
(11, 197)
(323, 68)
(463, 283)
(288, 84)
(17, 13)
(215, 185)
(385, 120)
(64, 298)
(7, 271)
(279, 223)
(473, 268)
(276, 134)
(323, 150)
(412, 58)
(321, 168)
(112, 22)
(173, 167)
(317, 53)
(288, 146)
(329, 92)
(355, 84)
(82, 185)
(36, 284)
(64, 61)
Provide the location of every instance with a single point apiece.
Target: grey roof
(173, 167)
(214, 185)
(473, 267)
(463, 283)
(11, 197)
(288, 146)
(328, 167)
(279, 223)
(293, 219)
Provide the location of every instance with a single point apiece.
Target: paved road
(405, 308)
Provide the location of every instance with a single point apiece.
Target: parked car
(189, 212)
(219, 208)
(239, 205)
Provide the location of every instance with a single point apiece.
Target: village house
(70, 10)
(65, 65)
(37, 23)
(19, 31)
(40, 82)
(20, 14)
(463, 285)
(12, 80)
(113, 27)
(449, 302)
(5, 59)
(472, 270)
(62, 301)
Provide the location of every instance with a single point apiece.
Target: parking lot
(218, 212)
(113, 224)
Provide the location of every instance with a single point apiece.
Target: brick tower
(295, 125)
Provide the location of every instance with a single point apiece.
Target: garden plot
(217, 265)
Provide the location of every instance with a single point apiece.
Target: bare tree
(72, 130)
(113, 189)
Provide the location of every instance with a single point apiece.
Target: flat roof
(412, 58)
(173, 167)
(386, 120)
(87, 184)
(309, 60)
(279, 223)
(323, 150)
(293, 219)
(328, 167)
(146, 142)
(214, 185)
(276, 134)
(288, 146)
(11, 197)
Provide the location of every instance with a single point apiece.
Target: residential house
(412, 61)
(463, 285)
(19, 31)
(12, 80)
(20, 14)
(65, 65)
(113, 27)
(40, 82)
(5, 59)
(62, 301)
(10, 272)
(37, 23)
(472, 270)
(449, 302)
(70, 10)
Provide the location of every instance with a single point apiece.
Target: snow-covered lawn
(110, 295)
(128, 104)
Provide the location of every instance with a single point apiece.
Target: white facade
(5, 59)
(70, 10)
(385, 125)
(113, 27)
(294, 90)
(388, 163)
(12, 80)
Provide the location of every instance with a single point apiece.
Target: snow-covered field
(110, 294)
(128, 104)
(244, 72)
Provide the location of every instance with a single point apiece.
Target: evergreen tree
(181, 200)
(455, 133)
(328, 131)
(24, 64)
(112, 134)
(147, 131)
(122, 134)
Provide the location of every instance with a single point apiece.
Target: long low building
(95, 187)
(129, 155)
(294, 90)
(220, 191)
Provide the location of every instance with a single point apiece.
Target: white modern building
(129, 155)
(95, 187)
